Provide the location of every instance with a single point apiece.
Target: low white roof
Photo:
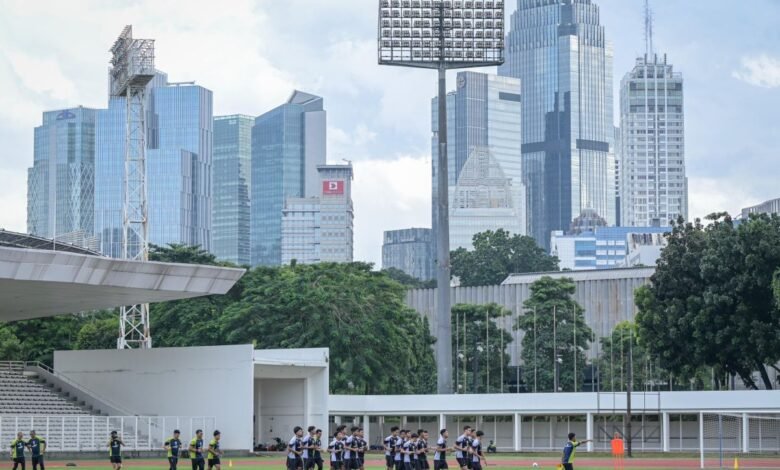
(41, 283)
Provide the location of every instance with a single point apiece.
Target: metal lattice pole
(132, 69)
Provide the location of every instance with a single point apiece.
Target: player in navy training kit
(336, 448)
(316, 451)
(399, 443)
(422, 450)
(295, 450)
(306, 445)
(476, 452)
(462, 448)
(390, 448)
(440, 457)
(362, 446)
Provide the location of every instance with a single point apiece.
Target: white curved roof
(41, 283)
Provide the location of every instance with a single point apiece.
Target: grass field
(495, 462)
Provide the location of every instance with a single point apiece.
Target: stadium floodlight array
(441, 35)
(427, 33)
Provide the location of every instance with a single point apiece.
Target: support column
(337, 420)
(518, 432)
(745, 433)
(589, 431)
(366, 428)
(442, 424)
(665, 434)
(701, 440)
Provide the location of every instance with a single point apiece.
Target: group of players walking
(173, 447)
(35, 444)
(404, 449)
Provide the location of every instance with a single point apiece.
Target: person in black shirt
(477, 459)
(295, 450)
(196, 451)
(315, 451)
(362, 445)
(422, 450)
(37, 446)
(173, 446)
(115, 450)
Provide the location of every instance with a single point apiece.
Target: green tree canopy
(711, 302)
(498, 254)
(479, 345)
(554, 331)
(99, 331)
(377, 344)
(408, 281)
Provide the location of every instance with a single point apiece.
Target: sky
(253, 54)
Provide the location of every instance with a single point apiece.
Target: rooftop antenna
(648, 30)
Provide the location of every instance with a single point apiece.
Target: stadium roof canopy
(40, 278)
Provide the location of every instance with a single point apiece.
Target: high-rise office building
(60, 184)
(178, 165)
(483, 199)
(559, 51)
(409, 250)
(483, 113)
(288, 144)
(653, 185)
(231, 183)
(320, 229)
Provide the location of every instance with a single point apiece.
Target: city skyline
(387, 133)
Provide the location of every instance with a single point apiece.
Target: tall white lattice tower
(132, 68)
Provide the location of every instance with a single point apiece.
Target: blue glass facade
(60, 185)
(231, 180)
(288, 143)
(559, 52)
(179, 158)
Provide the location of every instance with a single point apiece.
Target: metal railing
(91, 433)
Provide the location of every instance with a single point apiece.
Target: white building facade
(654, 188)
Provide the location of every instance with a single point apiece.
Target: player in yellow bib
(17, 450)
(215, 452)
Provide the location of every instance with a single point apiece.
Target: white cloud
(388, 195)
(13, 200)
(762, 70)
(708, 195)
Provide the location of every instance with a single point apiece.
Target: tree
(408, 281)
(498, 254)
(98, 332)
(377, 344)
(622, 346)
(555, 335)
(10, 346)
(479, 345)
(711, 301)
(185, 254)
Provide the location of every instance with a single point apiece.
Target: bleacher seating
(23, 395)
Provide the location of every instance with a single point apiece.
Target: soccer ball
(535, 465)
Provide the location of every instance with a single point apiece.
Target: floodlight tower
(442, 35)
(132, 68)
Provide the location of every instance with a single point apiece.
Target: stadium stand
(22, 393)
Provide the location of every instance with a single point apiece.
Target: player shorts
(293, 463)
(214, 461)
(115, 459)
(423, 464)
(173, 461)
(476, 465)
(409, 466)
(37, 460)
(389, 461)
(335, 465)
(462, 462)
(354, 463)
(440, 464)
(568, 466)
(399, 465)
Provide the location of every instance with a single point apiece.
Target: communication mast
(132, 68)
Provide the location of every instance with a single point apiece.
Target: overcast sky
(252, 54)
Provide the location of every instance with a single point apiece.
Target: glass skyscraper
(653, 185)
(178, 166)
(231, 181)
(60, 184)
(483, 113)
(410, 251)
(558, 49)
(288, 143)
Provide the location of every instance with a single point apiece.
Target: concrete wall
(205, 381)
(291, 389)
